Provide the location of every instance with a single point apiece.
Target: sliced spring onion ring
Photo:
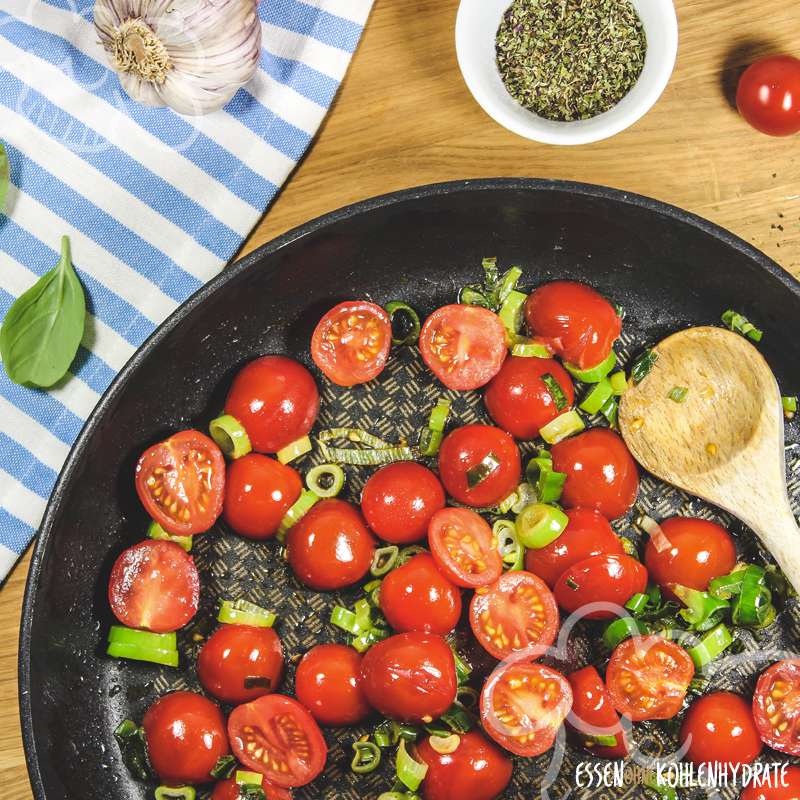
(637, 603)
(135, 652)
(439, 415)
(510, 312)
(224, 767)
(597, 396)
(550, 485)
(508, 544)
(642, 366)
(562, 426)
(740, 324)
(480, 472)
(383, 734)
(678, 394)
(429, 442)
(508, 283)
(332, 474)
(539, 524)
(175, 793)
(230, 435)
(725, 586)
(373, 592)
(539, 463)
(504, 506)
(294, 450)
(619, 383)
(407, 553)
(398, 307)
(601, 740)
(352, 435)
(409, 772)
(528, 348)
(621, 629)
(596, 373)
(555, 391)
(364, 641)
(130, 738)
(243, 612)
(384, 560)
(702, 609)
(155, 531)
(526, 494)
(301, 507)
(357, 621)
(463, 669)
(367, 757)
(146, 639)
(242, 776)
(393, 796)
(713, 644)
(369, 458)
(457, 718)
(609, 411)
(445, 744)
(467, 696)
(664, 791)
(789, 406)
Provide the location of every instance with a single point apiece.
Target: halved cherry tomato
(694, 552)
(719, 729)
(410, 677)
(155, 586)
(464, 346)
(276, 736)
(181, 482)
(276, 400)
(230, 790)
(593, 715)
(479, 465)
(351, 342)
(783, 786)
(476, 770)
(523, 706)
(587, 534)
(331, 546)
(516, 614)
(579, 324)
(185, 736)
(328, 684)
(258, 492)
(399, 500)
(520, 402)
(768, 95)
(417, 597)
(240, 662)
(600, 579)
(647, 677)
(776, 706)
(464, 547)
(601, 472)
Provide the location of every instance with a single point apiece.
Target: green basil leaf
(3, 177)
(44, 326)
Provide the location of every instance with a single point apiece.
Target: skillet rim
(120, 382)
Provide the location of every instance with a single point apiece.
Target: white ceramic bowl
(476, 28)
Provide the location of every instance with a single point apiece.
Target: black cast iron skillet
(666, 267)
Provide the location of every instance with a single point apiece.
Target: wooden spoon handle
(778, 530)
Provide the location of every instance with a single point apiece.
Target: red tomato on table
(276, 401)
(776, 706)
(464, 346)
(774, 788)
(593, 715)
(417, 597)
(579, 323)
(475, 448)
(601, 472)
(240, 662)
(399, 500)
(181, 482)
(519, 401)
(351, 342)
(768, 96)
(185, 736)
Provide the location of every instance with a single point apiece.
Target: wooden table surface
(404, 117)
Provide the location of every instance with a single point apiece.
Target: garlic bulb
(190, 55)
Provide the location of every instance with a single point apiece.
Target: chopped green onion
(609, 411)
(367, 757)
(394, 796)
(597, 396)
(408, 552)
(444, 745)
(409, 772)
(372, 590)
(251, 778)
(350, 621)
(175, 793)
(457, 718)
(711, 645)
(528, 348)
(243, 612)
(664, 791)
(135, 652)
(224, 767)
(751, 607)
(619, 383)
(402, 731)
(301, 507)
(383, 734)
(470, 696)
(294, 450)
(728, 585)
(555, 391)
(540, 462)
(526, 494)
(325, 480)
(596, 373)
(678, 394)
(504, 506)
(155, 531)
(369, 458)
(429, 442)
(511, 310)
(463, 669)
(130, 738)
(481, 471)
(397, 307)
(637, 603)
(365, 640)
(550, 485)
(508, 284)
(740, 324)
(439, 415)
(146, 639)
(384, 560)
(539, 524)
(562, 426)
(230, 435)
(572, 584)
(702, 609)
(249, 791)
(353, 435)
(642, 366)
(621, 629)
(508, 544)
(470, 296)
(789, 406)
(600, 740)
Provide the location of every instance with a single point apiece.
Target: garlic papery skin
(190, 55)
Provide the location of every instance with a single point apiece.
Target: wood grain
(404, 117)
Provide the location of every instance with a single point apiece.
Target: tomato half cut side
(464, 346)
(648, 676)
(464, 547)
(523, 706)
(351, 342)
(593, 719)
(181, 482)
(776, 706)
(516, 614)
(154, 586)
(278, 737)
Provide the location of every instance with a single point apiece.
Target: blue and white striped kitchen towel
(154, 203)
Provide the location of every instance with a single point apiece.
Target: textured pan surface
(667, 268)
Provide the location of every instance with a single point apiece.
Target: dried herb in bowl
(570, 59)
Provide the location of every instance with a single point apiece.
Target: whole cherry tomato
(258, 492)
(476, 770)
(410, 677)
(593, 715)
(601, 472)
(783, 786)
(328, 684)
(185, 736)
(776, 706)
(479, 465)
(417, 597)
(331, 546)
(768, 96)
(240, 662)
(399, 500)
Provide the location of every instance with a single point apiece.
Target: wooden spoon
(724, 443)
